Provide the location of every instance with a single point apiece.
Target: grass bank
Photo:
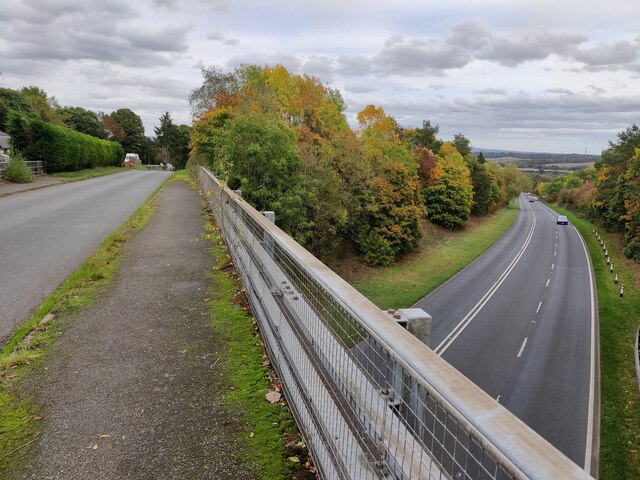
(87, 173)
(273, 441)
(441, 255)
(619, 321)
(29, 341)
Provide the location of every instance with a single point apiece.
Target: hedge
(59, 148)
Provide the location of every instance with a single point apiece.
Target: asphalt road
(46, 234)
(519, 323)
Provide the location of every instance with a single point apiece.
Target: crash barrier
(372, 401)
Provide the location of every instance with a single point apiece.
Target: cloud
(289, 61)
(351, 88)
(217, 36)
(607, 54)
(559, 91)
(490, 91)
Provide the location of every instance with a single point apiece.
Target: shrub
(60, 149)
(17, 170)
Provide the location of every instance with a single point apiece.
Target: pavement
(7, 188)
(134, 387)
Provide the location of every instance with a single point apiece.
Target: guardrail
(371, 400)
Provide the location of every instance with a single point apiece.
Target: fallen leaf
(95, 446)
(294, 459)
(39, 417)
(273, 397)
(104, 435)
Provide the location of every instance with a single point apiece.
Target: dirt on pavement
(134, 388)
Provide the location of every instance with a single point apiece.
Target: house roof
(4, 141)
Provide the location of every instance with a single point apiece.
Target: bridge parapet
(370, 398)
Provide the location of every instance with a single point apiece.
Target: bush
(17, 170)
(61, 149)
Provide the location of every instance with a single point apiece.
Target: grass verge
(269, 425)
(19, 416)
(405, 282)
(619, 321)
(88, 173)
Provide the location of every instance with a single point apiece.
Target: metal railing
(35, 165)
(372, 401)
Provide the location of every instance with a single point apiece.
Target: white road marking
(459, 328)
(548, 280)
(539, 306)
(553, 265)
(556, 244)
(555, 253)
(524, 344)
(592, 364)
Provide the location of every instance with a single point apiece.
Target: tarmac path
(133, 390)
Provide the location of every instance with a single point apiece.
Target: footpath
(7, 188)
(134, 388)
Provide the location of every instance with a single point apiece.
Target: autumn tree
(449, 198)
(218, 90)
(393, 210)
(631, 217)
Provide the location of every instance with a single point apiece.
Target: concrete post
(269, 215)
(238, 192)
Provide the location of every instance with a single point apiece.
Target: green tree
(631, 216)
(486, 192)
(462, 144)
(265, 164)
(13, 101)
(133, 129)
(45, 106)
(83, 120)
(425, 137)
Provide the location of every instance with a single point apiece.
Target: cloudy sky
(530, 75)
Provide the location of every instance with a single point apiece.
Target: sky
(528, 75)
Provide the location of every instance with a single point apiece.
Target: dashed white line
(524, 344)
(553, 265)
(555, 253)
(556, 244)
(539, 307)
(548, 280)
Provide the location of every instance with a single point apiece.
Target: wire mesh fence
(372, 401)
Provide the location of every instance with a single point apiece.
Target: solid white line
(458, 329)
(548, 280)
(592, 364)
(539, 306)
(524, 344)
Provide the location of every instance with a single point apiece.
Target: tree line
(285, 141)
(608, 193)
(124, 126)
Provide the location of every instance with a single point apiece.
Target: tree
(209, 137)
(264, 163)
(631, 216)
(481, 158)
(217, 90)
(393, 210)
(610, 183)
(133, 129)
(12, 100)
(486, 193)
(449, 198)
(83, 120)
(462, 144)
(113, 129)
(45, 106)
(425, 137)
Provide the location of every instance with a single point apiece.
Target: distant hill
(537, 159)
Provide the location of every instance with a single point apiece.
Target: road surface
(46, 234)
(520, 322)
